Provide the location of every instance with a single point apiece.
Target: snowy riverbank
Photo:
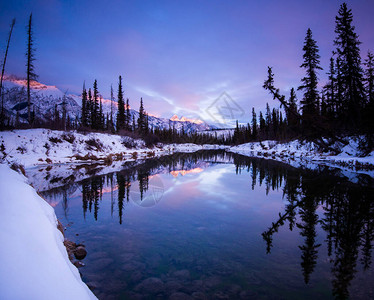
(34, 262)
(43, 146)
(307, 154)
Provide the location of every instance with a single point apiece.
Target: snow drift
(34, 262)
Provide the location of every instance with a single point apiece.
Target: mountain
(47, 98)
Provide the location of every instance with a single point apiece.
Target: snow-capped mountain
(46, 99)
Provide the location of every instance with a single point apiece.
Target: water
(213, 225)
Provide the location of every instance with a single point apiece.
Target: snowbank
(34, 262)
(43, 146)
(307, 154)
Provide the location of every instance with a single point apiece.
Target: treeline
(344, 105)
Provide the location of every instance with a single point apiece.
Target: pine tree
(89, 106)
(348, 52)
(30, 71)
(369, 107)
(121, 106)
(141, 118)
(329, 91)
(84, 117)
(267, 120)
(101, 115)
(95, 114)
(2, 117)
(310, 101)
(254, 124)
(369, 77)
(110, 122)
(292, 120)
(128, 115)
(262, 126)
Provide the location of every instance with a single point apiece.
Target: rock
(199, 296)
(173, 286)
(182, 274)
(151, 285)
(80, 252)
(78, 264)
(180, 296)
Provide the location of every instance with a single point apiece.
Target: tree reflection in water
(320, 198)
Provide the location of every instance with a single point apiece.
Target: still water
(215, 225)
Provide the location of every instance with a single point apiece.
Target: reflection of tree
(91, 194)
(308, 231)
(347, 220)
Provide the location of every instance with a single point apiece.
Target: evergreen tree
(369, 77)
(348, 52)
(330, 91)
(121, 106)
(141, 118)
(95, 114)
(262, 126)
(84, 117)
(89, 106)
(254, 124)
(292, 120)
(110, 122)
(267, 119)
(30, 71)
(310, 101)
(128, 115)
(101, 122)
(369, 107)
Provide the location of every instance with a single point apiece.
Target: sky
(190, 58)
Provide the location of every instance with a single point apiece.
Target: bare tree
(31, 76)
(3, 69)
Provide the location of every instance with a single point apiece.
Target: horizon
(160, 48)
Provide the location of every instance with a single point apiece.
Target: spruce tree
(254, 124)
(369, 78)
(369, 107)
(330, 91)
(141, 118)
(30, 71)
(121, 106)
(292, 120)
(89, 106)
(128, 115)
(95, 113)
(84, 117)
(110, 120)
(348, 52)
(310, 101)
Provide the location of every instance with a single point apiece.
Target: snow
(306, 154)
(34, 262)
(31, 147)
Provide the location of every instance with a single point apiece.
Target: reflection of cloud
(184, 172)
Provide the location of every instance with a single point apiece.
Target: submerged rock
(80, 252)
(180, 296)
(150, 285)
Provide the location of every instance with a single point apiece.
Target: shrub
(95, 143)
(55, 140)
(69, 137)
(22, 149)
(128, 143)
(18, 168)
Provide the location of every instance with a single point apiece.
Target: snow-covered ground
(307, 154)
(43, 146)
(34, 262)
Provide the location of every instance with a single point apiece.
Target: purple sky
(178, 55)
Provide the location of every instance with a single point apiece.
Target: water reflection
(318, 205)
